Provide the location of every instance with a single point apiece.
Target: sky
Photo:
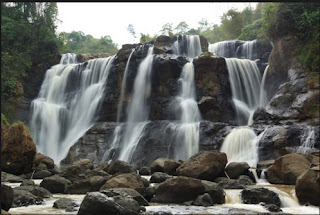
(101, 19)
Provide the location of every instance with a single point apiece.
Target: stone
(42, 174)
(173, 190)
(264, 165)
(25, 198)
(144, 170)
(126, 192)
(149, 193)
(17, 150)
(245, 180)
(158, 177)
(159, 164)
(55, 184)
(257, 195)
(7, 177)
(230, 184)
(64, 203)
(6, 197)
(77, 170)
(204, 165)
(99, 204)
(203, 200)
(83, 186)
(308, 186)
(103, 166)
(217, 194)
(27, 182)
(40, 158)
(126, 180)
(272, 208)
(235, 169)
(35, 190)
(129, 204)
(287, 169)
(120, 167)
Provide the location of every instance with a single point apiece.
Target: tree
(167, 29)
(182, 28)
(203, 25)
(145, 38)
(131, 31)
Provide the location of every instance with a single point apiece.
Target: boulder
(6, 197)
(120, 167)
(7, 177)
(35, 190)
(99, 204)
(173, 190)
(287, 169)
(164, 165)
(40, 158)
(25, 198)
(257, 195)
(42, 174)
(27, 182)
(126, 192)
(103, 166)
(203, 200)
(144, 170)
(263, 165)
(129, 205)
(17, 150)
(149, 193)
(217, 194)
(230, 184)
(77, 170)
(55, 184)
(126, 180)
(86, 185)
(64, 203)
(159, 177)
(204, 165)
(308, 186)
(245, 180)
(235, 169)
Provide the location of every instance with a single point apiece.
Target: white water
(191, 46)
(69, 58)
(188, 127)
(248, 50)
(223, 48)
(123, 87)
(67, 103)
(138, 109)
(307, 140)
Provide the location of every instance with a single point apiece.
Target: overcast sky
(100, 19)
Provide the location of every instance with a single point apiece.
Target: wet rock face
(6, 197)
(55, 184)
(25, 198)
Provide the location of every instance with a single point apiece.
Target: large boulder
(164, 165)
(257, 195)
(55, 184)
(173, 190)
(35, 190)
(216, 193)
(25, 198)
(99, 204)
(121, 167)
(204, 165)
(83, 186)
(7, 177)
(203, 200)
(64, 203)
(17, 150)
(159, 177)
(40, 158)
(308, 186)
(235, 169)
(126, 192)
(126, 180)
(77, 170)
(287, 169)
(6, 197)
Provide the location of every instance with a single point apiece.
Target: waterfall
(138, 109)
(245, 82)
(68, 100)
(240, 145)
(190, 46)
(248, 50)
(307, 141)
(188, 129)
(223, 48)
(123, 87)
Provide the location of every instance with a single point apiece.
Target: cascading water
(138, 109)
(223, 48)
(188, 128)
(190, 46)
(67, 103)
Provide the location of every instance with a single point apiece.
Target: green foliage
(4, 120)
(28, 40)
(79, 43)
(181, 28)
(145, 38)
(167, 29)
(251, 31)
